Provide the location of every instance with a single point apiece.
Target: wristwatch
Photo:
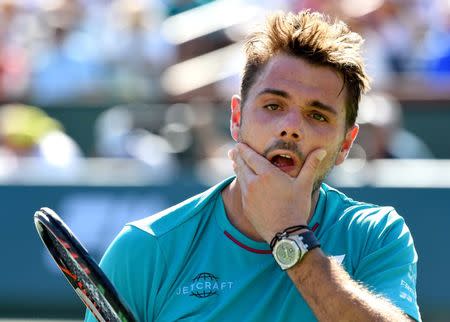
(290, 249)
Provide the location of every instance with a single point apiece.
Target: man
(275, 243)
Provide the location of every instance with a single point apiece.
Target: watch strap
(309, 240)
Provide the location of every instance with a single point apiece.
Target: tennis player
(274, 243)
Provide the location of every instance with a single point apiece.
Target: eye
(272, 107)
(318, 117)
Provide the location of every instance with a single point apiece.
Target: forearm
(334, 296)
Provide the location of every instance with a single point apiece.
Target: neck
(232, 200)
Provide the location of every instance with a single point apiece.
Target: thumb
(307, 173)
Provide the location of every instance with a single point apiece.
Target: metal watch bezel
(296, 243)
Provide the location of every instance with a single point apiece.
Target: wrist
(291, 246)
(291, 230)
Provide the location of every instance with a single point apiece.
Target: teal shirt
(188, 263)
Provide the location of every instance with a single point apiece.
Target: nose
(291, 124)
(290, 134)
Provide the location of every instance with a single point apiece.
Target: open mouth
(282, 161)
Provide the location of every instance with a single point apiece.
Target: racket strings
(80, 278)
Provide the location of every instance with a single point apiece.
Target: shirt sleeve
(389, 266)
(134, 264)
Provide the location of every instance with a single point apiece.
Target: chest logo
(204, 285)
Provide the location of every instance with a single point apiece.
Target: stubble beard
(320, 178)
(327, 169)
(294, 148)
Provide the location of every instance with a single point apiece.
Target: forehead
(302, 81)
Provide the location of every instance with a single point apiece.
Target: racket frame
(52, 229)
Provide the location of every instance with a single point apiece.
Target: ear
(350, 137)
(235, 120)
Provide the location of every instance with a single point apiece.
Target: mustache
(283, 145)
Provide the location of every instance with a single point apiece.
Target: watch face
(286, 252)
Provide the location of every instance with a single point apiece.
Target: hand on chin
(272, 199)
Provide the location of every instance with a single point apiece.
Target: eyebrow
(321, 106)
(314, 103)
(274, 91)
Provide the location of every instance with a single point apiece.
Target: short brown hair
(314, 37)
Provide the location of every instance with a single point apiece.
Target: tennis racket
(80, 269)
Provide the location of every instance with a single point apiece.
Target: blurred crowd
(402, 37)
(131, 55)
(53, 51)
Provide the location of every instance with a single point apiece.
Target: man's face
(292, 109)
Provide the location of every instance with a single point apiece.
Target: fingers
(248, 163)
(255, 161)
(241, 169)
(307, 175)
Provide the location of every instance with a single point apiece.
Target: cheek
(326, 139)
(255, 125)
(333, 149)
(258, 121)
(328, 164)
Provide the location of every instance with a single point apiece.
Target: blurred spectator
(135, 48)
(400, 27)
(28, 132)
(67, 66)
(394, 35)
(14, 59)
(437, 45)
(382, 135)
